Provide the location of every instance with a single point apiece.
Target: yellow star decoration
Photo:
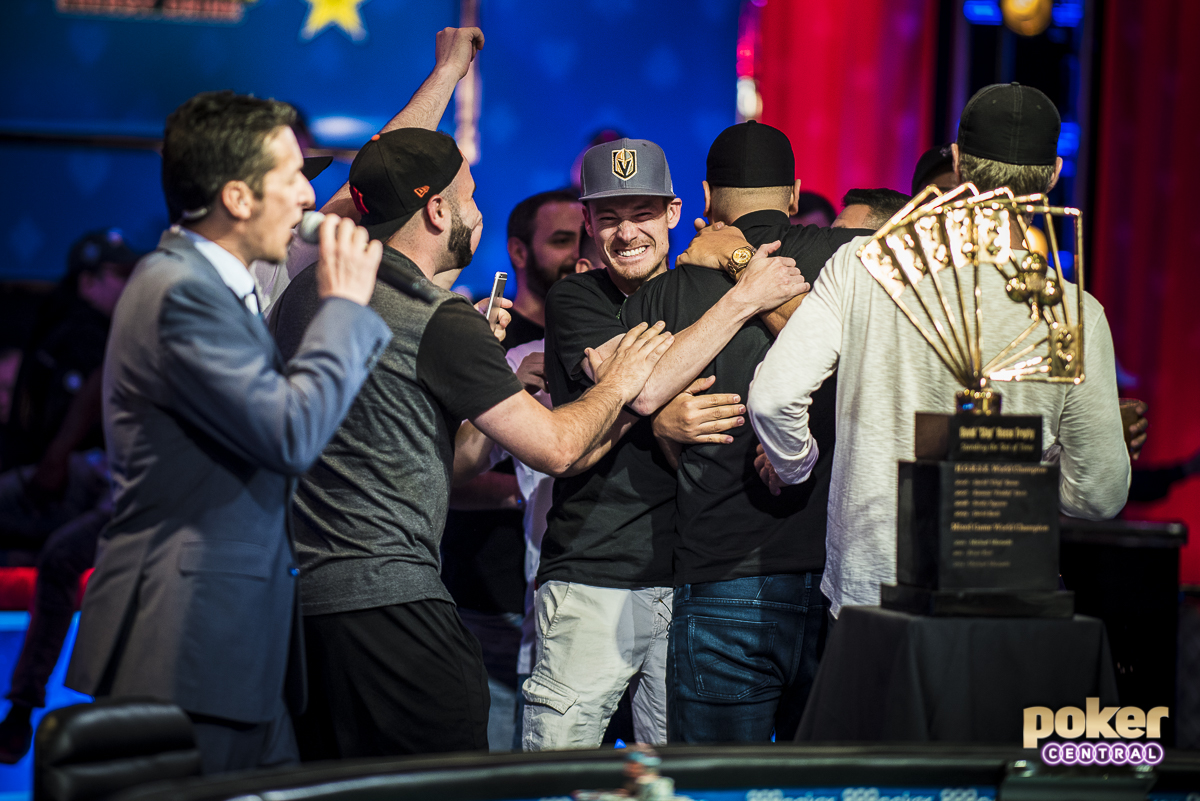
(342, 13)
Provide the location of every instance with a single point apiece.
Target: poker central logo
(624, 163)
(1096, 723)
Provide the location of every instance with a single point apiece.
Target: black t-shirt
(810, 245)
(370, 513)
(612, 525)
(521, 330)
(728, 523)
(483, 551)
(467, 381)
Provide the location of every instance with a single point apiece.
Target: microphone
(310, 231)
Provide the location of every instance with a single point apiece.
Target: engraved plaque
(978, 525)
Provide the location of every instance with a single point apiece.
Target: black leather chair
(92, 751)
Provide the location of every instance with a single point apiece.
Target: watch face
(742, 256)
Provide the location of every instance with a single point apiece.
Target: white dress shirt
(235, 274)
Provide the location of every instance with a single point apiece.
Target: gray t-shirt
(369, 515)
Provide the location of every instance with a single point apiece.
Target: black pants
(402, 679)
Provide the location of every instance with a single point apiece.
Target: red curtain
(851, 83)
(1146, 231)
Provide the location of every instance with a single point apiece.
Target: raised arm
(454, 51)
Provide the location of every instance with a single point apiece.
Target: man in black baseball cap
(1008, 136)
(936, 166)
(772, 569)
(605, 577)
(392, 670)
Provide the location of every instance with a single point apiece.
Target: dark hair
(882, 202)
(807, 202)
(520, 220)
(986, 174)
(214, 138)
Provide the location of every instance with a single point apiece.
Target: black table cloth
(893, 676)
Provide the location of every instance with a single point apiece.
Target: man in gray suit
(194, 594)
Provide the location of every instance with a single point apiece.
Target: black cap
(751, 154)
(634, 167)
(315, 165)
(395, 173)
(97, 248)
(1011, 123)
(934, 161)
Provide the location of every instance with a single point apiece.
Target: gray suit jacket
(194, 594)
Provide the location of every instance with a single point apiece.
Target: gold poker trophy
(978, 510)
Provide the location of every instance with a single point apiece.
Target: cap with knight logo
(395, 173)
(625, 167)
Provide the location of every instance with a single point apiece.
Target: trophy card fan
(948, 239)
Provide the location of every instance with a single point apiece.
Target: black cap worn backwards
(751, 154)
(625, 167)
(934, 161)
(1011, 123)
(395, 173)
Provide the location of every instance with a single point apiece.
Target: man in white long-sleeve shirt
(887, 372)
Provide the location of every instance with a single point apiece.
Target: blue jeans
(743, 655)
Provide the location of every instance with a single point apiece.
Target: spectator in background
(10, 365)
(809, 208)
(483, 548)
(55, 497)
(271, 279)
(869, 208)
(936, 166)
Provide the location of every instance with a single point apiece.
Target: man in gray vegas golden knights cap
(605, 572)
(606, 575)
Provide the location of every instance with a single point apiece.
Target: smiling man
(603, 605)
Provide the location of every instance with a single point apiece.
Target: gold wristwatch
(738, 261)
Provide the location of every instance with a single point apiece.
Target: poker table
(933, 771)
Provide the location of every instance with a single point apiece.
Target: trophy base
(977, 603)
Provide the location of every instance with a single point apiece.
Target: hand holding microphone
(349, 262)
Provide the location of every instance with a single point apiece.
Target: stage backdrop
(852, 85)
(1145, 234)
(553, 74)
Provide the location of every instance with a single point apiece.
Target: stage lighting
(1026, 17)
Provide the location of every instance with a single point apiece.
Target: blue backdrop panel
(553, 73)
